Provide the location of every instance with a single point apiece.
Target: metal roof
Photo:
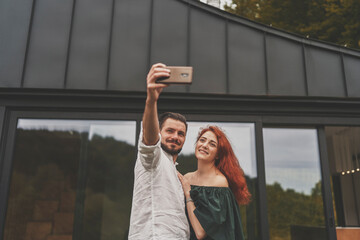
(110, 45)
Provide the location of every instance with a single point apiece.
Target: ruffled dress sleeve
(218, 212)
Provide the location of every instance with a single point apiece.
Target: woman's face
(206, 147)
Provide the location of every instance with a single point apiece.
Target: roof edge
(272, 30)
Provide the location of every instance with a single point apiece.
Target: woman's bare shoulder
(189, 175)
(221, 181)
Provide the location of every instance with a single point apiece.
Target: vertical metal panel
(2, 129)
(169, 32)
(285, 67)
(88, 57)
(2, 115)
(266, 64)
(14, 26)
(352, 72)
(305, 70)
(48, 44)
(207, 53)
(246, 60)
(169, 35)
(227, 55)
(344, 75)
(129, 53)
(325, 76)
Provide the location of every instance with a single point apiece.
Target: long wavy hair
(228, 164)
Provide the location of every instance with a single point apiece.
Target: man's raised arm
(151, 128)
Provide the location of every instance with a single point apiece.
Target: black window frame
(8, 147)
(206, 108)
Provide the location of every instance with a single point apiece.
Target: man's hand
(154, 89)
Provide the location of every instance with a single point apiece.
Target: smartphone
(178, 75)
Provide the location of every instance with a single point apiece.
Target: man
(158, 208)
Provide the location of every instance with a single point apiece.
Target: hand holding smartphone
(178, 75)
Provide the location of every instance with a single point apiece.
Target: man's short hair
(175, 116)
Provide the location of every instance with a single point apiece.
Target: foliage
(288, 208)
(336, 21)
(49, 163)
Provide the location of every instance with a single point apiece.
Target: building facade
(72, 93)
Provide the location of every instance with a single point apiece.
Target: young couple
(167, 205)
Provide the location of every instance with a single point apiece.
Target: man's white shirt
(158, 207)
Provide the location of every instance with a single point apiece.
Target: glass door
(71, 179)
(343, 146)
(293, 184)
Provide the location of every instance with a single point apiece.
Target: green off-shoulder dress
(217, 212)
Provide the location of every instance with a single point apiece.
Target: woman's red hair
(228, 164)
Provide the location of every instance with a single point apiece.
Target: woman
(215, 189)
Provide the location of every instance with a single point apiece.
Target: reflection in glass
(242, 138)
(343, 145)
(293, 184)
(71, 178)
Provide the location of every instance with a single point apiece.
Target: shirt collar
(170, 157)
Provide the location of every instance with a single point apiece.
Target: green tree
(336, 21)
(290, 209)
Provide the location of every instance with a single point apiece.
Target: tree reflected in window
(71, 179)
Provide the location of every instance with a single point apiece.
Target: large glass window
(242, 138)
(293, 184)
(71, 178)
(343, 145)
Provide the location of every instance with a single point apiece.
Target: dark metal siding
(352, 74)
(325, 76)
(129, 56)
(246, 55)
(14, 26)
(286, 75)
(110, 45)
(170, 32)
(2, 117)
(88, 55)
(207, 52)
(48, 42)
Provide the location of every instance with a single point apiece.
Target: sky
(120, 130)
(292, 158)
(222, 2)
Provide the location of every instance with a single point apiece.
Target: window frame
(8, 147)
(8, 124)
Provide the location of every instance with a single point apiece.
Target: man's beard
(169, 150)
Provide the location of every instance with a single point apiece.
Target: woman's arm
(190, 206)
